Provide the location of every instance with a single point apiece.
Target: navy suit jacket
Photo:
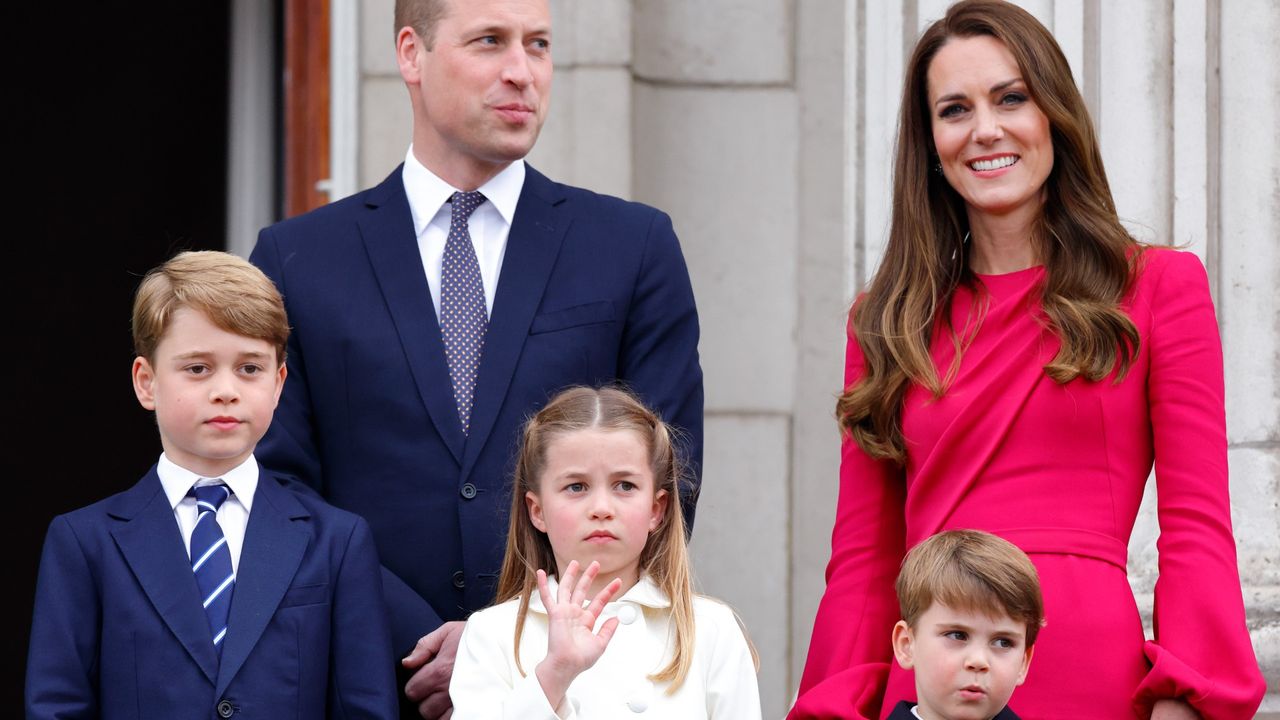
(592, 289)
(119, 630)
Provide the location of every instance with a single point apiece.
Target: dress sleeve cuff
(857, 692)
(1172, 678)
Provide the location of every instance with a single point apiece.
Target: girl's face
(596, 500)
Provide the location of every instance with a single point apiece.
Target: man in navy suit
(383, 414)
(209, 588)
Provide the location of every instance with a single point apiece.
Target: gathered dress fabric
(1058, 470)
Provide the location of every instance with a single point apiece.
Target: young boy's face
(213, 392)
(966, 663)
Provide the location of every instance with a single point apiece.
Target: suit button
(468, 491)
(226, 709)
(459, 580)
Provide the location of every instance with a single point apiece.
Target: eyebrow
(994, 89)
(199, 354)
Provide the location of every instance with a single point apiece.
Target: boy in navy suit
(971, 609)
(210, 588)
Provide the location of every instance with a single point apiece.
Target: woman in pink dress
(1018, 365)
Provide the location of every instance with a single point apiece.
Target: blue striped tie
(211, 560)
(463, 317)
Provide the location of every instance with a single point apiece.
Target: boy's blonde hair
(665, 557)
(974, 571)
(227, 289)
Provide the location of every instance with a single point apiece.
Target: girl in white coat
(596, 485)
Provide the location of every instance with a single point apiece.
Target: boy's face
(213, 392)
(966, 663)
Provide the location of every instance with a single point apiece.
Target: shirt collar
(645, 592)
(178, 481)
(428, 193)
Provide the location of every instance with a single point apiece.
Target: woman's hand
(1170, 709)
(572, 646)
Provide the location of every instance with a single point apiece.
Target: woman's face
(993, 141)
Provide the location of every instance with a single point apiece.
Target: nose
(516, 69)
(601, 506)
(976, 660)
(987, 128)
(223, 389)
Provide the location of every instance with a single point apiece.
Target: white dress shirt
(233, 516)
(488, 226)
(721, 683)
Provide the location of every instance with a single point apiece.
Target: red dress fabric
(1059, 470)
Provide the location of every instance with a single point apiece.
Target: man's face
(481, 91)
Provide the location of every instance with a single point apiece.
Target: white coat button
(639, 696)
(627, 614)
(638, 704)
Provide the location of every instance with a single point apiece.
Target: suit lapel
(537, 231)
(151, 544)
(272, 551)
(387, 230)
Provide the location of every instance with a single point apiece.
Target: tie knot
(211, 497)
(465, 203)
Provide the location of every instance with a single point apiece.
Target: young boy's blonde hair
(227, 289)
(665, 557)
(974, 571)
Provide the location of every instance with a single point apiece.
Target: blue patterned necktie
(211, 560)
(463, 318)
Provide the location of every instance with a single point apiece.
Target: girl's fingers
(603, 597)
(584, 584)
(565, 591)
(544, 592)
(606, 631)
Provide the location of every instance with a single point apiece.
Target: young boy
(209, 589)
(971, 609)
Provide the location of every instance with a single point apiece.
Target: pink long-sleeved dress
(1059, 470)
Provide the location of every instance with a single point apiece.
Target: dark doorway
(122, 145)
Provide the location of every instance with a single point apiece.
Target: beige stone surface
(591, 32)
(723, 163)
(586, 140)
(386, 127)
(714, 41)
(377, 37)
(742, 513)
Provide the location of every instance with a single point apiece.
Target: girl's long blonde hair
(665, 556)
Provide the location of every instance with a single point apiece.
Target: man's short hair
(422, 16)
(974, 571)
(232, 293)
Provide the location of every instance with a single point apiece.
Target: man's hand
(432, 658)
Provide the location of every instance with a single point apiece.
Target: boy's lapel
(272, 551)
(151, 544)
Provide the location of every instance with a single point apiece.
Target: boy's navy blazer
(902, 711)
(592, 289)
(119, 630)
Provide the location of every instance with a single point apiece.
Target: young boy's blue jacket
(119, 630)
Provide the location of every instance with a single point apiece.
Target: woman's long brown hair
(1088, 255)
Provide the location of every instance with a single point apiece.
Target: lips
(223, 422)
(601, 536)
(514, 112)
(972, 692)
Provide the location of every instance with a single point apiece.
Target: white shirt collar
(177, 480)
(428, 193)
(645, 592)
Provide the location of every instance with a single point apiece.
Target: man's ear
(144, 382)
(904, 645)
(535, 511)
(408, 55)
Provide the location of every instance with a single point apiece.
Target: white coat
(721, 684)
